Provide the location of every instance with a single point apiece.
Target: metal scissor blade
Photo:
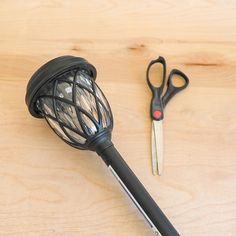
(157, 147)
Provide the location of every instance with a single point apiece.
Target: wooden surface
(48, 188)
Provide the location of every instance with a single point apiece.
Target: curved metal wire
(70, 77)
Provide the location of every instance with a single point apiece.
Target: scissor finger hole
(156, 75)
(178, 81)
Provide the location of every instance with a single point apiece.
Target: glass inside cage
(75, 107)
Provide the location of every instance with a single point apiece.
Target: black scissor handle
(156, 109)
(162, 61)
(171, 88)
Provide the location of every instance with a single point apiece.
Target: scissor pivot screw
(157, 114)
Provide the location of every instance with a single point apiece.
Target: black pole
(136, 191)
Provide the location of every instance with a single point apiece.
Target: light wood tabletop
(49, 188)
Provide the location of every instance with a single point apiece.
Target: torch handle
(138, 194)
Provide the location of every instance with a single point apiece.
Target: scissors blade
(157, 147)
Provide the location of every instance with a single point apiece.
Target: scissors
(158, 103)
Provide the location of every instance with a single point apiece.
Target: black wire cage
(70, 101)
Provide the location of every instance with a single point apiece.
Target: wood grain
(48, 188)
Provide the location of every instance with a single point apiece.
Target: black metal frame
(51, 73)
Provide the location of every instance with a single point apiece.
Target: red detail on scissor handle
(157, 114)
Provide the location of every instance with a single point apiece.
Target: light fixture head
(64, 92)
